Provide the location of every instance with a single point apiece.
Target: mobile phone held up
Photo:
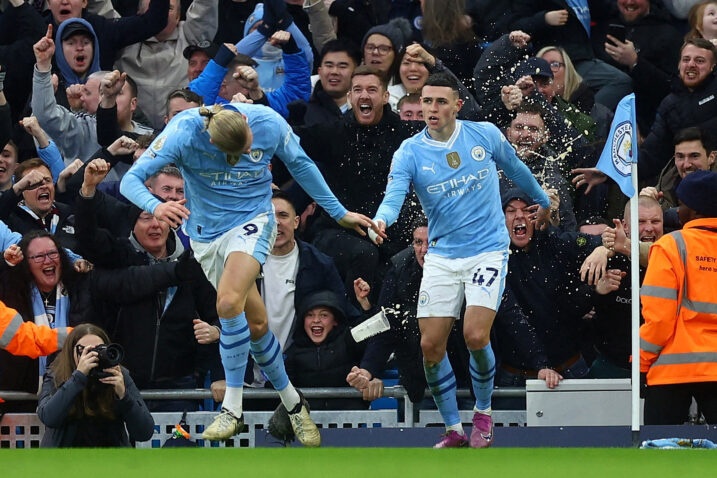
(617, 31)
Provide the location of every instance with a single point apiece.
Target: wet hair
(340, 45)
(694, 19)
(572, 77)
(96, 399)
(443, 79)
(284, 196)
(26, 165)
(531, 108)
(419, 221)
(186, 94)
(695, 133)
(227, 128)
(364, 70)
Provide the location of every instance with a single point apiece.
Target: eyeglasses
(381, 49)
(555, 65)
(39, 258)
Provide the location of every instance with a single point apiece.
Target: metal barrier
(24, 430)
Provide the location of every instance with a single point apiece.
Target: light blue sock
(267, 354)
(482, 368)
(234, 348)
(442, 383)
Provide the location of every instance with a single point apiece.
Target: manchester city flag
(621, 147)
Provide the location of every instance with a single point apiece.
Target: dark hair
(22, 279)
(284, 196)
(443, 79)
(531, 108)
(695, 133)
(419, 221)
(341, 45)
(96, 399)
(364, 70)
(184, 93)
(132, 87)
(28, 164)
(701, 43)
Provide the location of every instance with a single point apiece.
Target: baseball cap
(209, 48)
(533, 66)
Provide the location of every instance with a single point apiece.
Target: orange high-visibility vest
(27, 338)
(678, 341)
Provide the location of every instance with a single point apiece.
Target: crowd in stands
(86, 85)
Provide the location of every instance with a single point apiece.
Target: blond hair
(227, 128)
(572, 77)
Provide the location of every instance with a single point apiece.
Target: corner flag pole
(635, 302)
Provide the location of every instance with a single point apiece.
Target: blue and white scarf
(582, 11)
(41, 316)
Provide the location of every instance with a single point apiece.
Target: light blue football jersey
(457, 184)
(221, 195)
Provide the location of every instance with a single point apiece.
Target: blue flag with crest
(621, 147)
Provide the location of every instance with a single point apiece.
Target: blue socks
(234, 349)
(482, 370)
(267, 354)
(442, 383)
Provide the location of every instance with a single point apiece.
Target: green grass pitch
(355, 462)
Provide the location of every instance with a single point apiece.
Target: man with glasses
(37, 209)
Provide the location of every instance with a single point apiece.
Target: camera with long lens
(108, 355)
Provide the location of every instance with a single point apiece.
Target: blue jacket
(297, 83)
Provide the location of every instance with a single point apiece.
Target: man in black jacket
(328, 102)
(692, 103)
(648, 54)
(354, 154)
(158, 332)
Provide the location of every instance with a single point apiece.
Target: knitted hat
(398, 31)
(698, 191)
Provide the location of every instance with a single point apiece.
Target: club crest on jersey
(453, 159)
(159, 143)
(478, 153)
(256, 154)
(423, 298)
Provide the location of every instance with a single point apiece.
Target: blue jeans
(609, 83)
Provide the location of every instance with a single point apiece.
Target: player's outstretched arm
(356, 221)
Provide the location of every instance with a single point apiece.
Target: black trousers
(670, 404)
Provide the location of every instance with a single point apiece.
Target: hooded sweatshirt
(69, 76)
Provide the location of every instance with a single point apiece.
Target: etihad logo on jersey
(232, 176)
(459, 185)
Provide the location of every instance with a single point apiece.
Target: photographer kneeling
(87, 398)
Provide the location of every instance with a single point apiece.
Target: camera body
(108, 355)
